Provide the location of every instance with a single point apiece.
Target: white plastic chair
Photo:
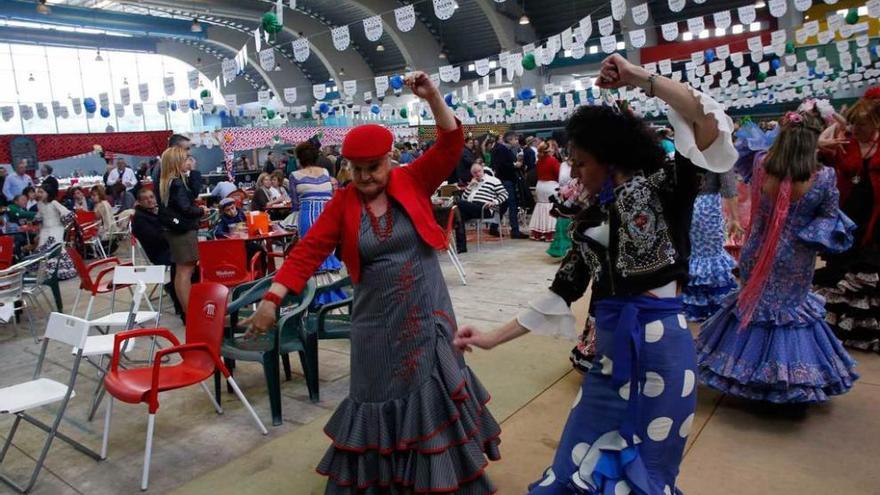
(12, 292)
(20, 398)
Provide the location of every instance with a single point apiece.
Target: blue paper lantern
(526, 94)
(90, 105)
(775, 63)
(375, 109)
(173, 106)
(812, 72)
(223, 114)
(547, 100)
(710, 55)
(448, 99)
(323, 108)
(105, 112)
(193, 104)
(241, 112)
(873, 50)
(396, 82)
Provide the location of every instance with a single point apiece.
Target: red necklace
(382, 233)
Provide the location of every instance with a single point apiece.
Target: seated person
(229, 216)
(18, 212)
(148, 231)
(31, 193)
(278, 189)
(263, 194)
(223, 189)
(76, 200)
(122, 199)
(483, 195)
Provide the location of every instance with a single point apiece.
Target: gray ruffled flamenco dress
(416, 419)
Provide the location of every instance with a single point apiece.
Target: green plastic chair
(326, 324)
(288, 336)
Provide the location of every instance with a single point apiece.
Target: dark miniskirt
(184, 246)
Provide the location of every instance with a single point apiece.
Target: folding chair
(126, 276)
(18, 399)
(88, 224)
(200, 355)
(451, 247)
(484, 220)
(12, 293)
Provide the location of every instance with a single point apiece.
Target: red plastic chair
(89, 224)
(225, 261)
(200, 358)
(7, 251)
(102, 283)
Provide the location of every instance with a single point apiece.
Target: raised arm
(702, 129)
(436, 164)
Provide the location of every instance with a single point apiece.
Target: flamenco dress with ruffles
(415, 420)
(710, 277)
(786, 352)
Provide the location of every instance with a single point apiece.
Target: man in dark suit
(49, 183)
(504, 163)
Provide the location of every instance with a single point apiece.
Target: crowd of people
(708, 221)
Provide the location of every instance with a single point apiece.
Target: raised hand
(617, 72)
(420, 84)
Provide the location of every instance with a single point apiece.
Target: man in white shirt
(481, 199)
(122, 173)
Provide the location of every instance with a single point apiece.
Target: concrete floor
(735, 447)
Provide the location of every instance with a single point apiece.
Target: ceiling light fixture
(98, 57)
(760, 4)
(524, 20)
(31, 77)
(442, 55)
(380, 47)
(196, 27)
(42, 8)
(277, 68)
(341, 72)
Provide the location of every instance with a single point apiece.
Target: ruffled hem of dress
(787, 363)
(610, 465)
(436, 440)
(812, 309)
(711, 271)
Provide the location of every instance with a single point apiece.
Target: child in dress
(770, 342)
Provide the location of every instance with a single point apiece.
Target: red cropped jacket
(339, 224)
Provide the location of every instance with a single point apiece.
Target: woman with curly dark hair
(628, 426)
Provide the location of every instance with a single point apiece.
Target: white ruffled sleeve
(720, 155)
(548, 315)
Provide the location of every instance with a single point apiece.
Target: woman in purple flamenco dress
(770, 342)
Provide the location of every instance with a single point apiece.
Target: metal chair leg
(8, 441)
(210, 396)
(148, 451)
(247, 406)
(104, 440)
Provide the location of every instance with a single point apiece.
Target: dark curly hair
(621, 140)
(306, 154)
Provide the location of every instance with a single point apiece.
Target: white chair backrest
(68, 329)
(11, 286)
(148, 274)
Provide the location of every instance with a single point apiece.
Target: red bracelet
(272, 298)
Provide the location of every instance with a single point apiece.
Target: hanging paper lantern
(547, 100)
(761, 76)
(270, 114)
(241, 112)
(775, 63)
(396, 82)
(528, 61)
(270, 23)
(90, 105)
(375, 109)
(789, 47)
(526, 94)
(307, 115)
(205, 93)
(223, 114)
(710, 55)
(403, 113)
(470, 112)
(852, 17)
(105, 112)
(323, 108)
(450, 101)
(173, 106)
(193, 104)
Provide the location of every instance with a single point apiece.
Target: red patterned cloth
(57, 146)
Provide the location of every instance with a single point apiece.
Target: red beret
(367, 142)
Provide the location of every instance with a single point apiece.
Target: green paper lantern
(404, 113)
(307, 115)
(761, 77)
(470, 112)
(528, 61)
(852, 16)
(789, 47)
(205, 93)
(270, 114)
(270, 23)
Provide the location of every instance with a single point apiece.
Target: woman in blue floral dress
(770, 342)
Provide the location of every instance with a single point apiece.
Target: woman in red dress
(542, 225)
(850, 282)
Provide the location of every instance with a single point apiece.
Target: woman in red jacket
(415, 419)
(542, 225)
